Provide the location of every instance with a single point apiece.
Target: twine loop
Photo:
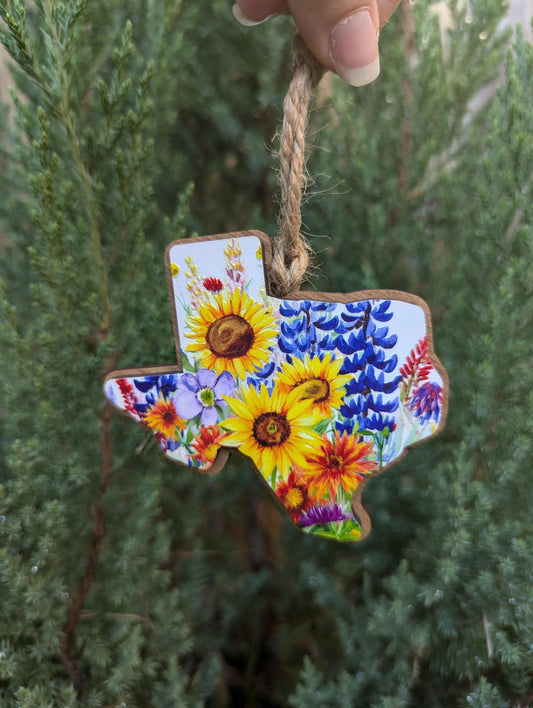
(291, 251)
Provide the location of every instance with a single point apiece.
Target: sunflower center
(230, 336)
(206, 396)
(294, 498)
(271, 429)
(317, 389)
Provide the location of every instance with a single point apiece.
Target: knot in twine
(291, 251)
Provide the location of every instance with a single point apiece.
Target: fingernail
(354, 49)
(245, 20)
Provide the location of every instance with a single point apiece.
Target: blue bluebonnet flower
(365, 344)
(155, 387)
(155, 408)
(164, 384)
(262, 377)
(361, 317)
(359, 312)
(369, 354)
(201, 393)
(304, 326)
(426, 402)
(362, 414)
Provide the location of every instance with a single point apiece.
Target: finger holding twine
(291, 250)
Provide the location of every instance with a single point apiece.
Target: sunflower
(274, 430)
(162, 418)
(316, 379)
(232, 332)
(343, 461)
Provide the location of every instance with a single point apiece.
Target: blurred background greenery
(128, 581)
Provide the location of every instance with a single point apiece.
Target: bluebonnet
(305, 327)
(155, 387)
(262, 376)
(169, 444)
(357, 330)
(365, 341)
(368, 412)
(426, 401)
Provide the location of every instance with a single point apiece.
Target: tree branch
(94, 554)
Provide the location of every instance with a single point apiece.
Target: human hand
(342, 34)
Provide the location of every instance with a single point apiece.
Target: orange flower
(207, 443)
(162, 418)
(341, 462)
(294, 495)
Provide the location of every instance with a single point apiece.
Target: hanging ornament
(321, 392)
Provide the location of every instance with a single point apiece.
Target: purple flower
(426, 402)
(199, 394)
(323, 514)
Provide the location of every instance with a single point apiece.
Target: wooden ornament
(320, 391)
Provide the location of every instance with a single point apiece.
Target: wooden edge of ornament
(360, 512)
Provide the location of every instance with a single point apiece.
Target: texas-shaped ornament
(320, 391)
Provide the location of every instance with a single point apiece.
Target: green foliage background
(127, 581)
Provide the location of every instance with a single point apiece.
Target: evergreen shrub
(128, 581)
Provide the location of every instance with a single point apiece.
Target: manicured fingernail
(245, 20)
(353, 49)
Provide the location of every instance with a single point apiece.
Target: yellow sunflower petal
(268, 461)
(245, 410)
(237, 427)
(238, 366)
(236, 301)
(284, 466)
(303, 413)
(298, 455)
(250, 448)
(265, 402)
(336, 366)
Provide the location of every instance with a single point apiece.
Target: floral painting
(321, 392)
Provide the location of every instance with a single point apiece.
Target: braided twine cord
(291, 250)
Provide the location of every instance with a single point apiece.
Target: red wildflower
(129, 397)
(162, 418)
(293, 493)
(207, 443)
(342, 462)
(417, 367)
(214, 285)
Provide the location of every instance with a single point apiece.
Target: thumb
(343, 34)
